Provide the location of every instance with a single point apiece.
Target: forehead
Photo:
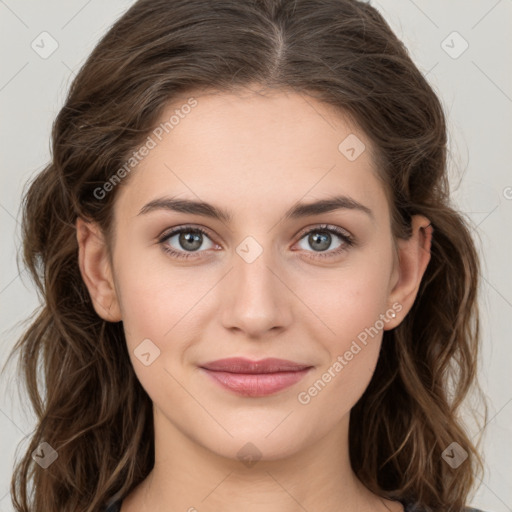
(252, 150)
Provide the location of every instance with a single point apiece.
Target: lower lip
(257, 384)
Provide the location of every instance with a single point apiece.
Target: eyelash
(347, 239)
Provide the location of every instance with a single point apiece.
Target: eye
(321, 238)
(188, 240)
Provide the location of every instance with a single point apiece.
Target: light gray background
(475, 89)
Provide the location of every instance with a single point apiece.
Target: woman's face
(264, 280)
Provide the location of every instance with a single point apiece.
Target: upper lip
(242, 365)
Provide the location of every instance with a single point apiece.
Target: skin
(256, 155)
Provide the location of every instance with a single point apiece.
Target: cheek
(349, 299)
(352, 346)
(156, 322)
(165, 306)
(153, 295)
(348, 307)
(332, 392)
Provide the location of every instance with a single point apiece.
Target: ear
(96, 270)
(413, 258)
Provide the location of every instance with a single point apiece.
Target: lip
(255, 378)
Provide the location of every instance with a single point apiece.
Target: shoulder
(116, 507)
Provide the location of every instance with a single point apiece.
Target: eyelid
(168, 232)
(319, 227)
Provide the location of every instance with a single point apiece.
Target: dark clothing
(408, 507)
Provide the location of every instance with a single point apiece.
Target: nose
(257, 300)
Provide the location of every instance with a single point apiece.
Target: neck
(189, 477)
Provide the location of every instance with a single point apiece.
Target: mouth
(255, 378)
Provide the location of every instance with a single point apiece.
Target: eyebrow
(297, 211)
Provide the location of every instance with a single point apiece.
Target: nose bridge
(256, 297)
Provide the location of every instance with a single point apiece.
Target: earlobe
(413, 259)
(96, 270)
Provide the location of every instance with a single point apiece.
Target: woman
(256, 292)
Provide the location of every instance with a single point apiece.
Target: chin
(251, 442)
(256, 450)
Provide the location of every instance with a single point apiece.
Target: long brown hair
(89, 404)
